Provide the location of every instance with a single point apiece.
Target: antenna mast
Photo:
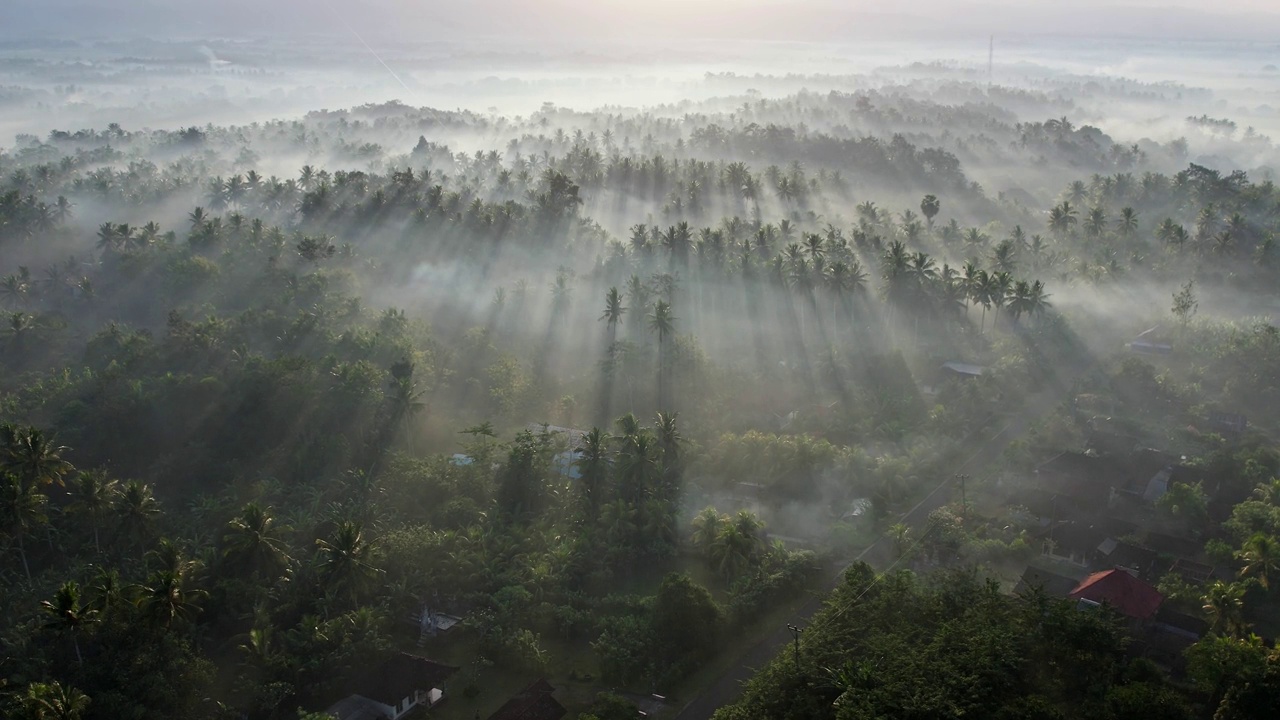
(991, 59)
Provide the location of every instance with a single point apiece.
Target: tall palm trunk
(662, 374)
(22, 552)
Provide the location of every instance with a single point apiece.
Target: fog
(337, 258)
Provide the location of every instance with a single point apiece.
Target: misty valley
(773, 380)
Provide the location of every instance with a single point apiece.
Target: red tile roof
(1122, 591)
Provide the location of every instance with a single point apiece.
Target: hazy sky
(826, 20)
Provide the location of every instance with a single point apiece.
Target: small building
(393, 689)
(533, 703)
(1151, 342)
(1118, 589)
(960, 370)
(1196, 573)
(565, 462)
(1052, 584)
(1228, 424)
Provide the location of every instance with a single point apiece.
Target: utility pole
(964, 503)
(795, 634)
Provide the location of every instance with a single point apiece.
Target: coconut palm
(54, 701)
(253, 541)
(901, 534)
(1004, 256)
(32, 455)
(22, 510)
(1224, 607)
(67, 615)
(1001, 283)
(167, 597)
(1261, 557)
(669, 441)
(613, 312)
(1127, 222)
(738, 544)
(92, 494)
(637, 467)
(1268, 492)
(1037, 300)
(136, 510)
(1096, 222)
(346, 560)
(974, 239)
(706, 528)
(662, 321)
(1062, 218)
(593, 468)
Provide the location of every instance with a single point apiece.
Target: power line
(372, 52)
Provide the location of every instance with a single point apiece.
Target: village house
(393, 689)
(533, 703)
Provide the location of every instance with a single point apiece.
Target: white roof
(964, 368)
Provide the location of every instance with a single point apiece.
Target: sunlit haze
(664, 359)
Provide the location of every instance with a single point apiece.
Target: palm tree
(1096, 223)
(669, 441)
(54, 701)
(706, 528)
(22, 509)
(895, 268)
(613, 312)
(1268, 492)
(1062, 218)
(346, 560)
(1224, 606)
(136, 509)
(107, 591)
(901, 534)
(253, 541)
(738, 544)
(32, 455)
(929, 207)
(198, 217)
(166, 597)
(637, 467)
(15, 290)
(21, 327)
(1128, 222)
(593, 468)
(1003, 256)
(638, 294)
(974, 239)
(67, 615)
(92, 494)
(1037, 301)
(662, 322)
(1001, 283)
(1261, 557)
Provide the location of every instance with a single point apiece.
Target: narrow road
(879, 554)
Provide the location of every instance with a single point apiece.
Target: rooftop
(533, 703)
(1053, 584)
(1122, 591)
(400, 676)
(964, 368)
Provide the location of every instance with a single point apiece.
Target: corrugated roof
(1122, 591)
(964, 368)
